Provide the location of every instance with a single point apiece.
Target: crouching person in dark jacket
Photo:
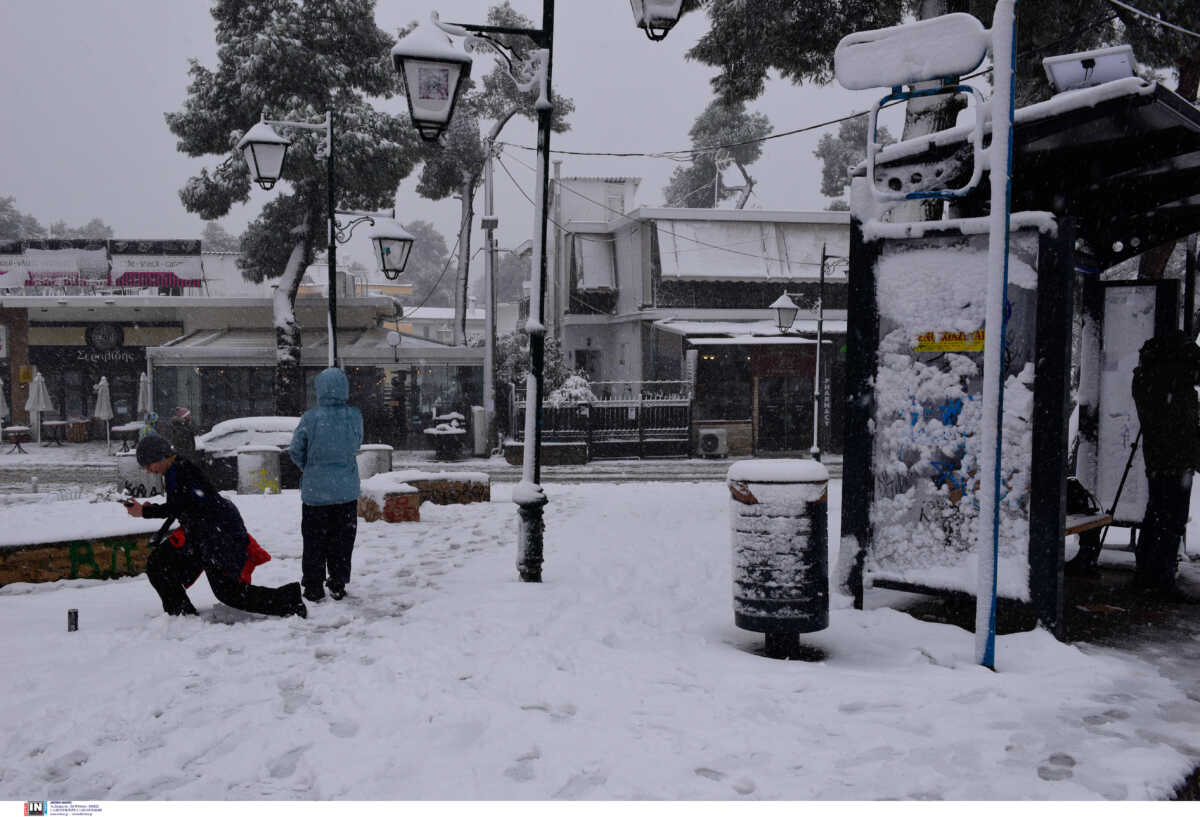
(216, 541)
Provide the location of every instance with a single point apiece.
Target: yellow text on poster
(950, 341)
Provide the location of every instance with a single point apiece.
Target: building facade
(672, 294)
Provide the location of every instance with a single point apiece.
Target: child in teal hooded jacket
(324, 446)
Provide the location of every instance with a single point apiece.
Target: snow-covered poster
(931, 297)
(156, 263)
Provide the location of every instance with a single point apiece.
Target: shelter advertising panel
(928, 386)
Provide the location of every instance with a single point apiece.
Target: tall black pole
(1189, 289)
(531, 500)
(815, 451)
(332, 204)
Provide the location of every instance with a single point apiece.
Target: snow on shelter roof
(1122, 155)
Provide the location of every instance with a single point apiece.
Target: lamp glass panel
(786, 315)
(265, 160)
(431, 89)
(391, 254)
(662, 13)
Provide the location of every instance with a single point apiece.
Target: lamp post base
(532, 527)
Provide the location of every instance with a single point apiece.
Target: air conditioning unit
(714, 442)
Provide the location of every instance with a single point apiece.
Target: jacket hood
(332, 387)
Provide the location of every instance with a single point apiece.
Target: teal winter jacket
(325, 443)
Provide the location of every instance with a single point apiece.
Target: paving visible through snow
(621, 676)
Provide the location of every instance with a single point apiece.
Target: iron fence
(626, 418)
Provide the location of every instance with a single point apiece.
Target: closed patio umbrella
(103, 410)
(143, 403)
(39, 401)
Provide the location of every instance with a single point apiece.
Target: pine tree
(294, 60)
(700, 184)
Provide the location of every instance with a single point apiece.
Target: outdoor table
(17, 435)
(128, 433)
(55, 429)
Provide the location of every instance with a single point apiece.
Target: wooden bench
(1080, 522)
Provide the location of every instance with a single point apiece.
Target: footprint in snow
(522, 770)
(1057, 767)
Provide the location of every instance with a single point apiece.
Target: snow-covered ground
(621, 676)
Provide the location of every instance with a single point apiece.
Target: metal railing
(627, 418)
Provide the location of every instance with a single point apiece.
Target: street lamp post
(265, 150)
(433, 72)
(410, 61)
(815, 451)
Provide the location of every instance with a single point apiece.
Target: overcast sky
(87, 83)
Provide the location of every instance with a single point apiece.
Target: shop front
(225, 374)
(72, 357)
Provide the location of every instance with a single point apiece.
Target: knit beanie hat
(153, 448)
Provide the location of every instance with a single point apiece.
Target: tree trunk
(1153, 263)
(288, 389)
(467, 192)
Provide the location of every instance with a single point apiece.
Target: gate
(647, 418)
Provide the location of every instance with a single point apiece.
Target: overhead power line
(1154, 19)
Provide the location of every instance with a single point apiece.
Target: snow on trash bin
(779, 528)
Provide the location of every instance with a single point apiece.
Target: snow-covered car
(218, 448)
(228, 436)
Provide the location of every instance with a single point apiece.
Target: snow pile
(377, 488)
(575, 389)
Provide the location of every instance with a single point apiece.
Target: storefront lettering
(115, 356)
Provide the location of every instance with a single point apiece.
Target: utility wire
(449, 258)
(1154, 19)
(788, 263)
(686, 153)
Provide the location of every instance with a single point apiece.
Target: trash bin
(374, 458)
(258, 469)
(780, 533)
(135, 480)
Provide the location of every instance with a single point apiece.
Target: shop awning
(155, 279)
(696, 331)
(743, 250)
(356, 347)
(753, 340)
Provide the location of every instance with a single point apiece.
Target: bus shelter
(1100, 175)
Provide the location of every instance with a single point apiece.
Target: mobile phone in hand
(127, 501)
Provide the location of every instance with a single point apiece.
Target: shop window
(723, 384)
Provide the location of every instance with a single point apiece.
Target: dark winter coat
(325, 444)
(1164, 391)
(182, 435)
(215, 533)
